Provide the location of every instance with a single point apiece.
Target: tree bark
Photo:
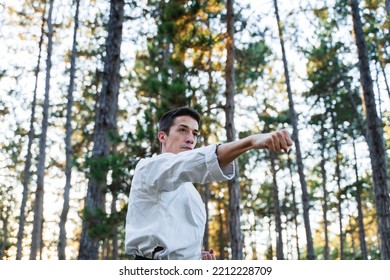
(105, 128)
(270, 250)
(31, 135)
(362, 235)
(68, 144)
(115, 190)
(276, 207)
(206, 199)
(295, 208)
(5, 220)
(36, 237)
(338, 182)
(115, 247)
(324, 190)
(221, 232)
(374, 136)
(295, 137)
(234, 184)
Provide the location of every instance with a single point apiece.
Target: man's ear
(162, 137)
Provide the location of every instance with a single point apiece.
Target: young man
(166, 216)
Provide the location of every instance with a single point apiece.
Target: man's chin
(185, 149)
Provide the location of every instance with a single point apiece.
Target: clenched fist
(273, 141)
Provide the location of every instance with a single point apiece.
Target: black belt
(141, 258)
(157, 249)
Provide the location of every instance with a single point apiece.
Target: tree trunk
(324, 190)
(362, 235)
(352, 228)
(115, 190)
(36, 237)
(374, 136)
(254, 240)
(388, 7)
(114, 253)
(31, 135)
(221, 244)
(295, 208)
(338, 182)
(68, 144)
(270, 250)
(4, 238)
(295, 137)
(206, 199)
(105, 128)
(234, 184)
(380, 112)
(276, 207)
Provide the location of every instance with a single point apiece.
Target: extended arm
(274, 141)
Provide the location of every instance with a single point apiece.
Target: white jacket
(164, 207)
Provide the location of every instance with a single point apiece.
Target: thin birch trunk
(68, 144)
(36, 237)
(295, 137)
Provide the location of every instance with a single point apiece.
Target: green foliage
(251, 62)
(100, 224)
(98, 167)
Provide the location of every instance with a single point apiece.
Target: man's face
(182, 135)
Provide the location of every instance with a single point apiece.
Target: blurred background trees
(112, 68)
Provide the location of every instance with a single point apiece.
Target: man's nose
(190, 139)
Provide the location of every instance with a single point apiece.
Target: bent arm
(168, 171)
(274, 141)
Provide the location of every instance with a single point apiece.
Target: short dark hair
(166, 121)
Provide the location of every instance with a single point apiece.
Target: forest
(83, 85)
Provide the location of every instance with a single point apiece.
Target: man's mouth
(187, 148)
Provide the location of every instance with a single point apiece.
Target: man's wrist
(251, 142)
